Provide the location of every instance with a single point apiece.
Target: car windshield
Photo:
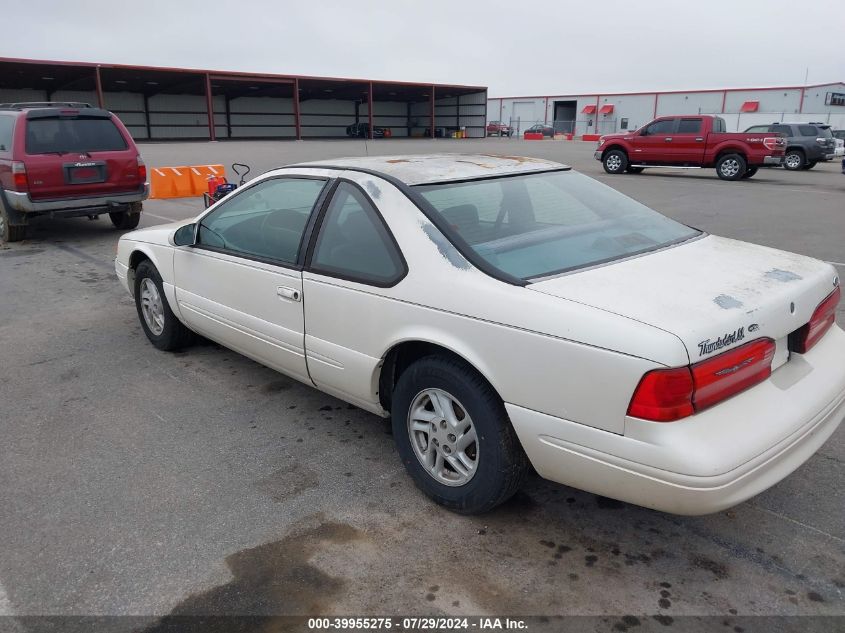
(535, 225)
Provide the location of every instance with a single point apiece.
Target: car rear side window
(7, 124)
(782, 129)
(718, 124)
(757, 129)
(808, 130)
(354, 242)
(265, 221)
(689, 126)
(62, 135)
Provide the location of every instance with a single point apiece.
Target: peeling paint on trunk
(782, 275)
(726, 302)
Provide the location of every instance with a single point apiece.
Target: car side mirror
(186, 235)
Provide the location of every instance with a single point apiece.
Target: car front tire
(731, 167)
(159, 323)
(749, 172)
(454, 436)
(615, 161)
(810, 164)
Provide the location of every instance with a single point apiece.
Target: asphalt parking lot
(137, 482)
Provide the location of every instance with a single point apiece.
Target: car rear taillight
(666, 395)
(802, 339)
(142, 170)
(773, 142)
(19, 176)
(663, 395)
(727, 374)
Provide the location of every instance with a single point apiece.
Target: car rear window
(807, 130)
(61, 135)
(535, 225)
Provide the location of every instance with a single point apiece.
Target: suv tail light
(773, 142)
(142, 170)
(19, 176)
(666, 395)
(802, 339)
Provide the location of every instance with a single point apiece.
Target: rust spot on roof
(518, 159)
(398, 160)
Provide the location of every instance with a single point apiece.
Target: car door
(241, 283)
(353, 259)
(650, 145)
(687, 144)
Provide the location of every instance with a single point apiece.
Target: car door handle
(294, 294)
(699, 139)
(668, 139)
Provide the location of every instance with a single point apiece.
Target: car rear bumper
(22, 203)
(710, 461)
(773, 161)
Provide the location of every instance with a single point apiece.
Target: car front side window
(354, 242)
(266, 221)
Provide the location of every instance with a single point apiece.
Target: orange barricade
(182, 182)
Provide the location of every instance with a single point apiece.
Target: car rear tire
(10, 232)
(749, 172)
(634, 170)
(731, 167)
(454, 436)
(794, 160)
(615, 161)
(810, 164)
(159, 323)
(127, 220)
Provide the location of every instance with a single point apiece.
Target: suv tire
(159, 323)
(615, 161)
(749, 172)
(127, 220)
(731, 167)
(452, 400)
(794, 160)
(9, 232)
(810, 164)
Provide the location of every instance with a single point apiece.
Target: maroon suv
(67, 160)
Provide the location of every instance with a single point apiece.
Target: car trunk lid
(713, 293)
(72, 153)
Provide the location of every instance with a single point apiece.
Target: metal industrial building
(180, 104)
(613, 112)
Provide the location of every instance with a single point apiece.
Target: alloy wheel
(152, 308)
(443, 437)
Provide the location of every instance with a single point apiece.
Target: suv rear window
(807, 130)
(51, 135)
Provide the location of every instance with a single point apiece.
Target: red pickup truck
(690, 142)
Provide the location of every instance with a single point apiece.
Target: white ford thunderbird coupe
(509, 312)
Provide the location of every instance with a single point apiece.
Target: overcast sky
(518, 47)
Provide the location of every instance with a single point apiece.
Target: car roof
(435, 168)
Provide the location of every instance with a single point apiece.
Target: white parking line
(159, 217)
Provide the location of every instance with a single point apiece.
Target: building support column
(370, 110)
(431, 111)
(210, 108)
(98, 82)
(296, 114)
(147, 116)
(228, 117)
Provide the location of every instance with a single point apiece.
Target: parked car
(498, 128)
(694, 141)
(806, 143)
(507, 311)
(541, 128)
(67, 160)
(362, 130)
